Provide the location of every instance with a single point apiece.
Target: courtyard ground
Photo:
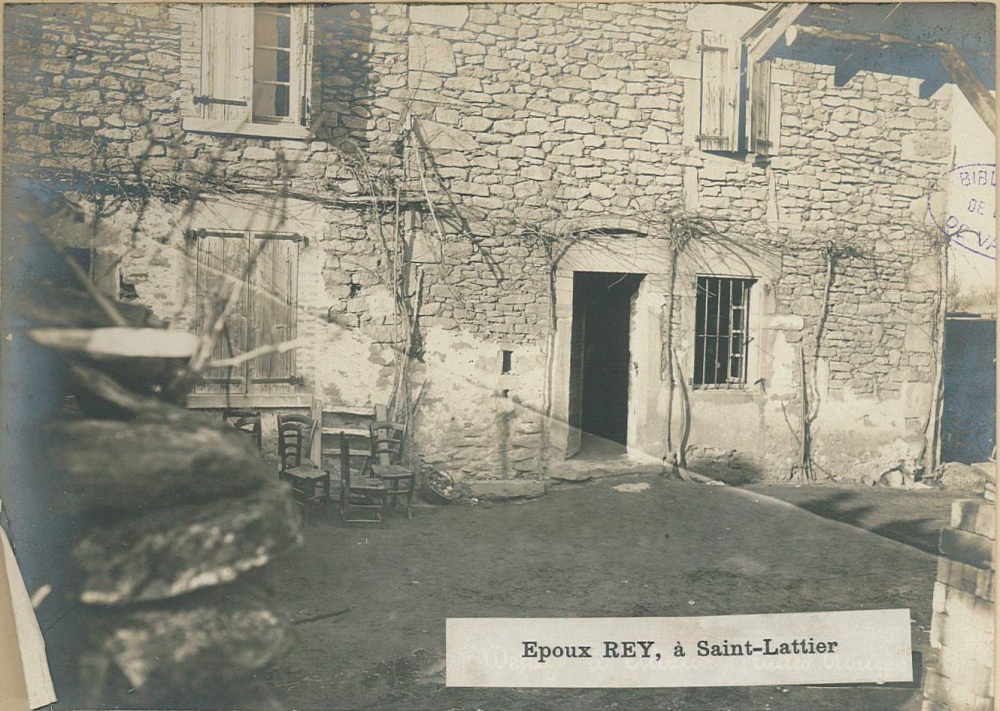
(371, 602)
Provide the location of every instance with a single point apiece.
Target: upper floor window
(255, 70)
(736, 98)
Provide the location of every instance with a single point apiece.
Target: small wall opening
(508, 362)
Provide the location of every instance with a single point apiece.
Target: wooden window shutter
(273, 306)
(221, 263)
(720, 92)
(760, 108)
(227, 63)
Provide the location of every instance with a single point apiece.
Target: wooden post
(972, 87)
(805, 468)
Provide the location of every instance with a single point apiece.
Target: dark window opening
(126, 291)
(969, 406)
(721, 331)
(354, 290)
(83, 257)
(508, 357)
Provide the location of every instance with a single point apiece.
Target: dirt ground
(371, 602)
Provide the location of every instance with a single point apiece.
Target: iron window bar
(721, 332)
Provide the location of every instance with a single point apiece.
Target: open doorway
(968, 413)
(600, 361)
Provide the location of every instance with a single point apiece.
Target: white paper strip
(29, 636)
(737, 650)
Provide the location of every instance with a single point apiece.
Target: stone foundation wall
(963, 625)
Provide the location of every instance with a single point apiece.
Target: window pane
(272, 26)
(270, 100)
(271, 65)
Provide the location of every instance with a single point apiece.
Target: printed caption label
(736, 650)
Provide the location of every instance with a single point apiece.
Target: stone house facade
(633, 220)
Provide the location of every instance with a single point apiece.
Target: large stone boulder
(174, 551)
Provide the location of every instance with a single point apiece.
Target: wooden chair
(246, 422)
(310, 484)
(386, 465)
(360, 493)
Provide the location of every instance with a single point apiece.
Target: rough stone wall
(84, 83)
(516, 123)
(962, 628)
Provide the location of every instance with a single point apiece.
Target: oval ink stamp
(964, 208)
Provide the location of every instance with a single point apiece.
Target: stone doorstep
(573, 470)
(975, 643)
(967, 547)
(967, 578)
(974, 516)
(947, 695)
(503, 489)
(975, 675)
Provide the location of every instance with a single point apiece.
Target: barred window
(721, 320)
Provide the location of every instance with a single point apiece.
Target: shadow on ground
(668, 548)
(911, 517)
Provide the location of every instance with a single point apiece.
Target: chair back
(246, 422)
(295, 433)
(387, 442)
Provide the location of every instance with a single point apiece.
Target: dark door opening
(968, 412)
(600, 362)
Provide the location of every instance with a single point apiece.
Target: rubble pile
(181, 510)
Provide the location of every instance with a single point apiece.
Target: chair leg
(409, 499)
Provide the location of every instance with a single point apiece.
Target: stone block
(454, 16)
(447, 138)
(944, 691)
(927, 146)
(175, 551)
(430, 54)
(466, 188)
(510, 127)
(219, 637)
(966, 547)
(505, 488)
(655, 134)
(918, 339)
(974, 516)
(257, 153)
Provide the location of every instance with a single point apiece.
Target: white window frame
(230, 111)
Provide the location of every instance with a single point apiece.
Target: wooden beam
(782, 20)
(880, 39)
(972, 87)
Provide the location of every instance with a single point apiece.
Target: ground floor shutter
(273, 302)
(221, 264)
